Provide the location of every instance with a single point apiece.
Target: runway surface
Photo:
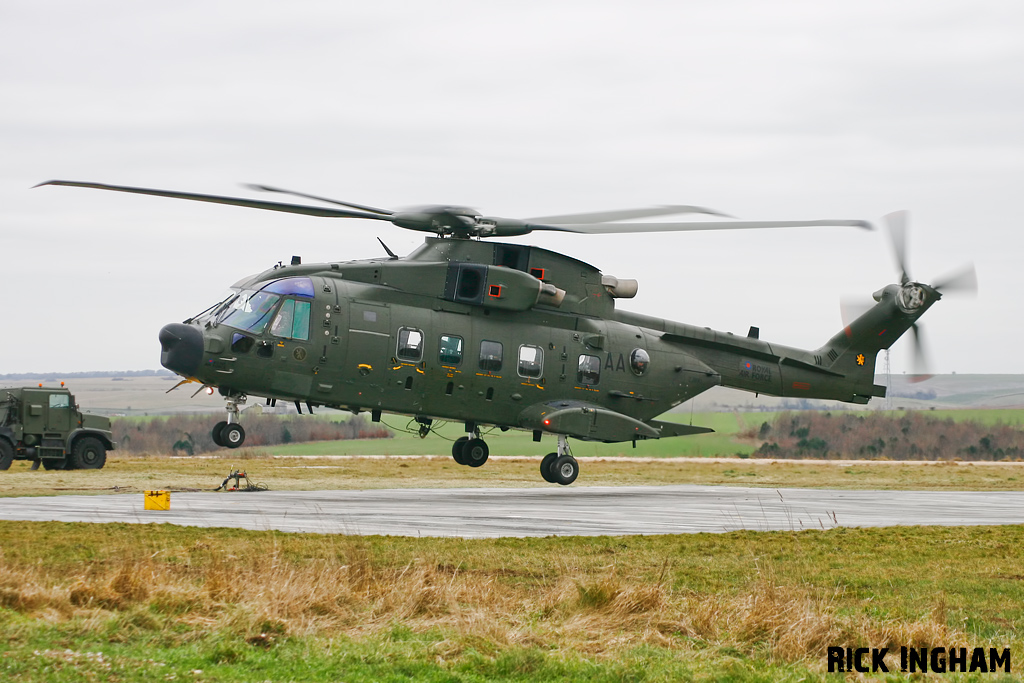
(494, 512)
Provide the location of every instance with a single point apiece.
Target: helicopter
(493, 334)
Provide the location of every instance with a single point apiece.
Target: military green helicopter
(493, 334)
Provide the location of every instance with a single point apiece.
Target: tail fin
(853, 351)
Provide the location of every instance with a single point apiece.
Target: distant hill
(941, 391)
(94, 374)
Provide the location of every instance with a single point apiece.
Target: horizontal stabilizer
(667, 429)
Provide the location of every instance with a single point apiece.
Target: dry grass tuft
(355, 588)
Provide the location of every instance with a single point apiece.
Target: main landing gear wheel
(232, 435)
(88, 453)
(545, 467)
(565, 470)
(218, 431)
(560, 467)
(475, 452)
(457, 448)
(6, 455)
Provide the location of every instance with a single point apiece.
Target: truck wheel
(88, 453)
(6, 455)
(54, 463)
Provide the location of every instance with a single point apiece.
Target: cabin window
(639, 361)
(410, 344)
(531, 361)
(490, 356)
(449, 350)
(292, 321)
(60, 401)
(589, 372)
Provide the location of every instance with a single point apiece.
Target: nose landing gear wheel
(218, 431)
(233, 435)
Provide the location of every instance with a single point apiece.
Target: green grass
(157, 602)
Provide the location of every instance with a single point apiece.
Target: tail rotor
(912, 295)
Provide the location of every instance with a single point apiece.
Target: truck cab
(44, 425)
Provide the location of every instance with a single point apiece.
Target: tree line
(876, 436)
(192, 434)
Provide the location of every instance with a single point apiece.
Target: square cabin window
(589, 371)
(490, 356)
(449, 350)
(410, 344)
(531, 361)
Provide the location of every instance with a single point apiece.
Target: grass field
(132, 475)
(156, 603)
(123, 602)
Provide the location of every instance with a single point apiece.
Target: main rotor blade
(361, 207)
(624, 214)
(608, 228)
(234, 201)
(919, 361)
(963, 280)
(897, 222)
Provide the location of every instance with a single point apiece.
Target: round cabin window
(639, 361)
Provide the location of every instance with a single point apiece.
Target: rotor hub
(911, 297)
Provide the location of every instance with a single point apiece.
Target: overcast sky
(764, 110)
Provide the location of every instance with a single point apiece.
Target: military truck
(45, 426)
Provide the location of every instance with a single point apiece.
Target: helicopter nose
(181, 348)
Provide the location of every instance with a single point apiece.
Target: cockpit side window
(292, 321)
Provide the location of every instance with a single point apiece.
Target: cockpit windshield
(251, 310)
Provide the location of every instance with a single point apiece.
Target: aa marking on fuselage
(610, 364)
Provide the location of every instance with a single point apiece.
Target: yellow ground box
(158, 500)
